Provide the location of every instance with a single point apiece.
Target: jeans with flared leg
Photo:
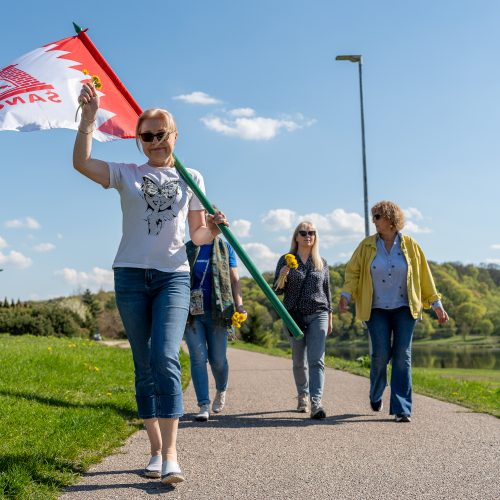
(391, 332)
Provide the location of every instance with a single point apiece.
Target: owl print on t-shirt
(161, 200)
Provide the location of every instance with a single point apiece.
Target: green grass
(478, 390)
(65, 404)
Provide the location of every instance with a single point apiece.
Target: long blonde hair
(315, 256)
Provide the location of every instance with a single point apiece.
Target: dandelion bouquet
(96, 82)
(291, 263)
(237, 318)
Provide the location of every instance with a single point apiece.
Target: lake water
(434, 357)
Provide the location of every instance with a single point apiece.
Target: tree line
(471, 295)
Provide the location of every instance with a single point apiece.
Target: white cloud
(495, 246)
(411, 227)
(3, 243)
(413, 213)
(493, 261)
(44, 247)
(262, 256)
(252, 128)
(345, 255)
(17, 259)
(256, 129)
(333, 227)
(279, 219)
(239, 112)
(241, 228)
(96, 279)
(27, 222)
(197, 98)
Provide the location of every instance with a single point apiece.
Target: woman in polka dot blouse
(307, 295)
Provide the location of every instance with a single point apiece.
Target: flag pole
(240, 251)
(261, 282)
(87, 42)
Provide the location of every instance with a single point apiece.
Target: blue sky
(272, 122)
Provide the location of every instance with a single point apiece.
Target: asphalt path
(260, 448)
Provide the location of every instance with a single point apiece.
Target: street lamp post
(359, 60)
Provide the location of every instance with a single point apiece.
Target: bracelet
(83, 132)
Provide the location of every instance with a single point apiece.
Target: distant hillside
(471, 295)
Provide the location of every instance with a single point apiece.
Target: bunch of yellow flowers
(237, 318)
(96, 82)
(291, 263)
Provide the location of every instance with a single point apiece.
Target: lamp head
(352, 58)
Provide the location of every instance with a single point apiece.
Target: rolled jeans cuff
(168, 406)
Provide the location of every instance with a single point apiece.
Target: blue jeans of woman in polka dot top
(308, 357)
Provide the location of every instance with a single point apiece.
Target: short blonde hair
(315, 256)
(390, 211)
(159, 113)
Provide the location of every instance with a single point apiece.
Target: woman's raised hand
(89, 99)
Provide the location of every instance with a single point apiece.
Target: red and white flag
(40, 90)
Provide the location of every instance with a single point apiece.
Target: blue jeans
(154, 306)
(207, 342)
(382, 325)
(308, 357)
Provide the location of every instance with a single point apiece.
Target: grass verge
(478, 390)
(66, 404)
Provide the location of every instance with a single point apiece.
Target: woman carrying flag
(152, 283)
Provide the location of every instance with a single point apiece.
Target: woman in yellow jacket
(389, 280)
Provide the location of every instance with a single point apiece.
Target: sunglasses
(307, 233)
(376, 216)
(149, 136)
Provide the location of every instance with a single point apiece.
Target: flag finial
(77, 28)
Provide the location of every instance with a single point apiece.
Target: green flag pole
(278, 306)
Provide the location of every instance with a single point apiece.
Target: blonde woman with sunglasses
(307, 297)
(151, 269)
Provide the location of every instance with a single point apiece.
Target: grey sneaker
(204, 414)
(318, 412)
(153, 469)
(219, 402)
(302, 403)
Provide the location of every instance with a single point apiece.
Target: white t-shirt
(155, 204)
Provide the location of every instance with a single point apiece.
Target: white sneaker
(204, 414)
(219, 402)
(153, 469)
(171, 473)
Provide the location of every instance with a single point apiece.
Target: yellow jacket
(358, 279)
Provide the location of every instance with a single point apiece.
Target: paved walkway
(259, 448)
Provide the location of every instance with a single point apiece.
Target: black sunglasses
(149, 136)
(307, 233)
(376, 216)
